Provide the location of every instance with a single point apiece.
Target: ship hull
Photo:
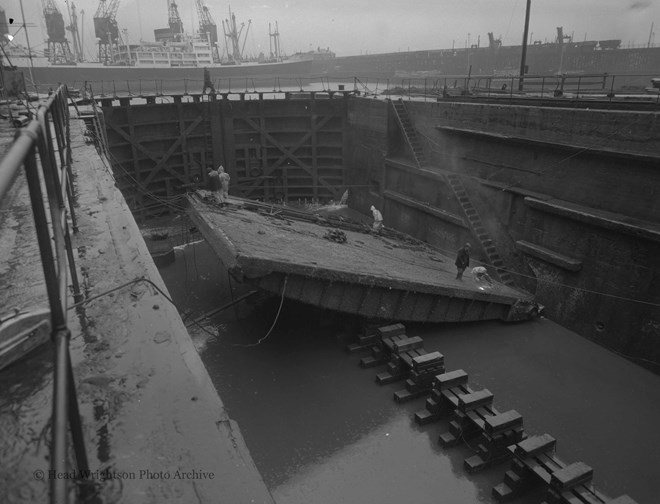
(154, 80)
(541, 60)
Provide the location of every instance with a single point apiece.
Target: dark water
(321, 430)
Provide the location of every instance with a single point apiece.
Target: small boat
(21, 332)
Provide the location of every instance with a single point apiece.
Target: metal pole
(58, 486)
(523, 59)
(43, 236)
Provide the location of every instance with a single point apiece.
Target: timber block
(512, 479)
(502, 493)
(369, 362)
(430, 360)
(370, 339)
(407, 344)
(391, 330)
(418, 381)
(407, 395)
(474, 463)
(571, 475)
(468, 402)
(503, 422)
(450, 380)
(448, 439)
(356, 347)
(534, 445)
(424, 417)
(386, 377)
(432, 405)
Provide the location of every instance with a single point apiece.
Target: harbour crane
(274, 42)
(59, 51)
(73, 28)
(106, 30)
(233, 37)
(208, 28)
(174, 20)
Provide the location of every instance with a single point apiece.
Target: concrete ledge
(586, 149)
(435, 212)
(600, 218)
(550, 256)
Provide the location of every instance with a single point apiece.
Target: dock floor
(152, 419)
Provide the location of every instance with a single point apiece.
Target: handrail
(34, 149)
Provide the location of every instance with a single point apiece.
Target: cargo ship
(174, 62)
(563, 56)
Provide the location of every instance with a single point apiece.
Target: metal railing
(43, 148)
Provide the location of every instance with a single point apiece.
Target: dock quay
(370, 275)
(152, 426)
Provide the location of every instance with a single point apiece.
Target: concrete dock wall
(568, 196)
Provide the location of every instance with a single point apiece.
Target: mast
(523, 59)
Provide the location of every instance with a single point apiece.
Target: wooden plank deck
(371, 275)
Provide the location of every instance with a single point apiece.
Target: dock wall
(568, 196)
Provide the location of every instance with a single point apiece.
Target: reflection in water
(317, 425)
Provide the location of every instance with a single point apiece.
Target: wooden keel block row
(534, 445)
(391, 330)
(504, 421)
(450, 380)
(570, 476)
(469, 402)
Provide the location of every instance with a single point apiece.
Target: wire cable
(277, 316)
(132, 282)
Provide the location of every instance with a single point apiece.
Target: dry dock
(369, 275)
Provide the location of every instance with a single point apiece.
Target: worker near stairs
(208, 83)
(378, 220)
(463, 260)
(224, 186)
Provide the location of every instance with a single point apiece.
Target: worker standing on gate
(378, 220)
(462, 260)
(214, 181)
(224, 186)
(208, 83)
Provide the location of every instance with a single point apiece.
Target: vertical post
(523, 59)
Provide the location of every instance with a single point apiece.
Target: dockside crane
(274, 42)
(233, 37)
(174, 20)
(73, 28)
(106, 30)
(59, 51)
(208, 28)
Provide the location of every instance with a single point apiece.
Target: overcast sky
(350, 27)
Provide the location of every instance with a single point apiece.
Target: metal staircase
(478, 230)
(476, 226)
(409, 132)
